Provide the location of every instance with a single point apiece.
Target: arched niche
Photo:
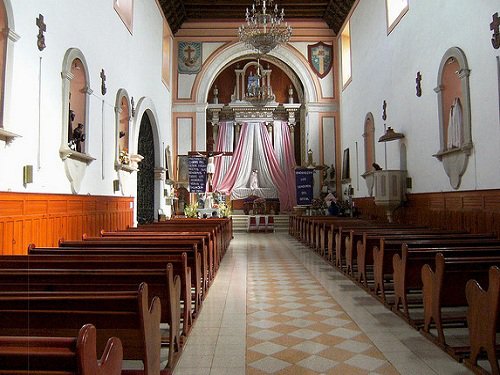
(76, 93)
(7, 40)
(455, 134)
(122, 131)
(233, 52)
(369, 144)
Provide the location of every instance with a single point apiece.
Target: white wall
(132, 62)
(384, 67)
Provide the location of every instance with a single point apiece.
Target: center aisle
(302, 317)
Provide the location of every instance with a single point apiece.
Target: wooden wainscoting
(43, 219)
(475, 211)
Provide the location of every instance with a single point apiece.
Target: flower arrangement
(124, 157)
(191, 210)
(224, 210)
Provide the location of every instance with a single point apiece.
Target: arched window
(122, 110)
(76, 92)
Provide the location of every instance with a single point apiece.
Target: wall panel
(472, 211)
(43, 219)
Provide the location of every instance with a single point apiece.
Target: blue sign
(197, 174)
(304, 185)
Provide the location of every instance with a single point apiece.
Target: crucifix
(495, 27)
(103, 82)
(210, 155)
(418, 80)
(42, 27)
(189, 50)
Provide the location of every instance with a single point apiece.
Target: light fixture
(390, 135)
(258, 93)
(265, 28)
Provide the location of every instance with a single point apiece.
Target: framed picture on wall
(182, 168)
(346, 173)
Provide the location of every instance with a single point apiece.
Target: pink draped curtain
(226, 185)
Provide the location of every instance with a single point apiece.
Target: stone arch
(145, 106)
(233, 52)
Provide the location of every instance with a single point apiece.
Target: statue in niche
(253, 85)
(455, 125)
(78, 138)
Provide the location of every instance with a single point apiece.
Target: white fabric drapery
(275, 166)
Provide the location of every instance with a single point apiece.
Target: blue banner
(304, 185)
(197, 174)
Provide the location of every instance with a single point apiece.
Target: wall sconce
(27, 174)
(116, 185)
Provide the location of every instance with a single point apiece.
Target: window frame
(392, 23)
(345, 35)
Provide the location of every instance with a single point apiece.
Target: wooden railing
(45, 218)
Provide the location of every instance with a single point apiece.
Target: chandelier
(265, 28)
(258, 92)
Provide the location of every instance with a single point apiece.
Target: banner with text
(197, 174)
(304, 183)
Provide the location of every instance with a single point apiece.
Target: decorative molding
(13, 36)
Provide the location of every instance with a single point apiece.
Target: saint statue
(254, 182)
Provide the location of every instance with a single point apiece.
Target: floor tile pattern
(295, 327)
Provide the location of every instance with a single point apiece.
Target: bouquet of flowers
(224, 210)
(124, 157)
(191, 210)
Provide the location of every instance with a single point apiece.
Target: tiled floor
(277, 308)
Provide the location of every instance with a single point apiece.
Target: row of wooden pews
(432, 278)
(142, 288)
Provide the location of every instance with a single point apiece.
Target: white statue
(254, 182)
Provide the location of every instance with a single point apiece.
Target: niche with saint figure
(454, 114)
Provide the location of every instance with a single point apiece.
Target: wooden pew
(197, 259)
(206, 240)
(407, 265)
(390, 245)
(118, 263)
(445, 287)
(60, 355)
(482, 320)
(123, 314)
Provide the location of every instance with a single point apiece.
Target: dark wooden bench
(444, 287)
(482, 320)
(60, 355)
(206, 240)
(123, 314)
(117, 264)
(407, 265)
(371, 251)
(197, 259)
(390, 245)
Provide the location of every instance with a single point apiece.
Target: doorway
(145, 176)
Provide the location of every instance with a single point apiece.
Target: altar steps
(240, 223)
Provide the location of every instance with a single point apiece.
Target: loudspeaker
(27, 174)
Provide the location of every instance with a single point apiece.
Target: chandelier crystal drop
(265, 28)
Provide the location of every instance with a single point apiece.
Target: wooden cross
(419, 87)
(42, 27)
(103, 82)
(189, 51)
(495, 27)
